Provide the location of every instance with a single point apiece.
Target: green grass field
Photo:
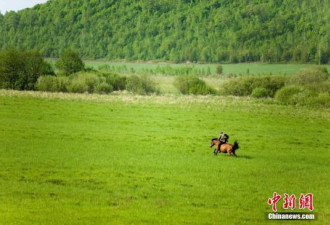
(239, 68)
(123, 159)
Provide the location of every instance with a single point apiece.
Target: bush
(309, 77)
(233, 86)
(219, 69)
(286, 94)
(141, 85)
(117, 82)
(323, 99)
(274, 83)
(104, 88)
(20, 70)
(323, 87)
(91, 80)
(304, 95)
(244, 86)
(308, 87)
(80, 83)
(295, 95)
(47, 83)
(62, 84)
(182, 84)
(69, 63)
(260, 92)
(77, 86)
(52, 84)
(192, 85)
(83, 82)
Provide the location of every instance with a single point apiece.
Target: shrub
(219, 69)
(78, 83)
(323, 99)
(69, 63)
(274, 83)
(244, 86)
(47, 83)
(141, 85)
(312, 95)
(11, 69)
(77, 86)
(20, 70)
(104, 88)
(287, 93)
(233, 86)
(260, 92)
(117, 82)
(84, 82)
(308, 87)
(182, 84)
(323, 87)
(52, 84)
(303, 97)
(309, 77)
(62, 84)
(91, 80)
(192, 85)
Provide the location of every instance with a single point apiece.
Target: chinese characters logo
(305, 201)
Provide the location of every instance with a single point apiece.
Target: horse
(224, 148)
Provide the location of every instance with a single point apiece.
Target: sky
(7, 5)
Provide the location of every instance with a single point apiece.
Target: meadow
(128, 159)
(203, 69)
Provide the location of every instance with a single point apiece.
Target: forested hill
(175, 30)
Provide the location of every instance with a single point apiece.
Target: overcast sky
(7, 5)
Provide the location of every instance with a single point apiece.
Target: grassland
(239, 68)
(123, 159)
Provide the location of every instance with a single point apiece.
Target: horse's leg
(215, 151)
(219, 148)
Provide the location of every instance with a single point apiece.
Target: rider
(223, 138)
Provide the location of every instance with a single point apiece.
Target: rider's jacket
(223, 138)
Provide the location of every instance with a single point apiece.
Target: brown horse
(224, 148)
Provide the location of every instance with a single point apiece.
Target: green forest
(227, 31)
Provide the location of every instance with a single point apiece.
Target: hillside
(172, 30)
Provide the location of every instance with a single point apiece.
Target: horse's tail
(235, 146)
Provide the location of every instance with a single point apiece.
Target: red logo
(289, 201)
(305, 201)
(273, 201)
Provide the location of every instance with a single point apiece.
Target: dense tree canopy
(175, 30)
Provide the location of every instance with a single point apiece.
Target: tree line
(175, 30)
(20, 70)
(28, 70)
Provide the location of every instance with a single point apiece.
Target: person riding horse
(223, 138)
